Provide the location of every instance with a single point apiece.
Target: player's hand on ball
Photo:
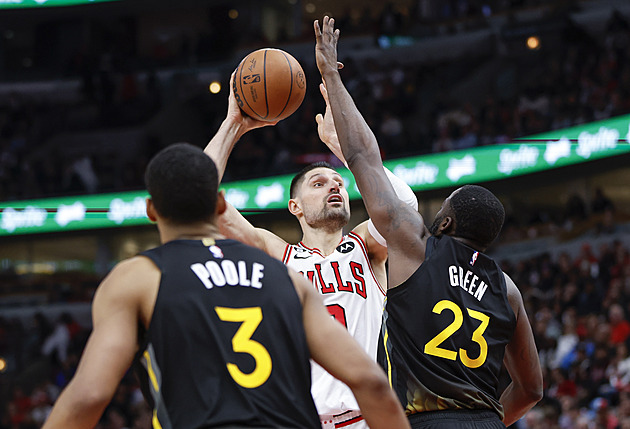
(235, 114)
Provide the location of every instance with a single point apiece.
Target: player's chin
(339, 214)
(337, 209)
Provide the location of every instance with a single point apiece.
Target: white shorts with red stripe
(347, 420)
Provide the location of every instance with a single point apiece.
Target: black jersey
(226, 345)
(445, 330)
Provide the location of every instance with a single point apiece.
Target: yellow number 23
(433, 347)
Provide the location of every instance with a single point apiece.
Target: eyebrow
(317, 175)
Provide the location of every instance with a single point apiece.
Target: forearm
(404, 194)
(380, 408)
(74, 409)
(516, 402)
(360, 149)
(358, 143)
(221, 145)
(233, 225)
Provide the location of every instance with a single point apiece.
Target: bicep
(521, 356)
(113, 341)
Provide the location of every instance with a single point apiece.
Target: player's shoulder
(135, 266)
(513, 295)
(361, 231)
(377, 252)
(130, 278)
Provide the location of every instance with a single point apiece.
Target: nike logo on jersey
(345, 247)
(302, 255)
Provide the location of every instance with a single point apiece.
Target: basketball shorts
(456, 419)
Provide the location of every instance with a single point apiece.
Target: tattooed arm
(401, 225)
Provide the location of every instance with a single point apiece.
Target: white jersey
(353, 296)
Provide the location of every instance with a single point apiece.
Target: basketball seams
(281, 99)
(290, 87)
(240, 82)
(265, 84)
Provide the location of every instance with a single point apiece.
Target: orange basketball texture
(269, 84)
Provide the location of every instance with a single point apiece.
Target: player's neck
(196, 231)
(470, 243)
(324, 241)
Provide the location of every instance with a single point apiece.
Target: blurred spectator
(41, 406)
(619, 325)
(57, 343)
(600, 202)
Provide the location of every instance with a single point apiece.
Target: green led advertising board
(18, 4)
(528, 155)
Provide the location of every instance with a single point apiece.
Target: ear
(221, 203)
(447, 226)
(151, 212)
(294, 207)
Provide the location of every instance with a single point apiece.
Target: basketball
(269, 84)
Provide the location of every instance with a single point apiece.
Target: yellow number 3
(432, 347)
(242, 342)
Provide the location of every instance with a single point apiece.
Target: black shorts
(456, 419)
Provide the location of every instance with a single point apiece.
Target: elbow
(353, 160)
(90, 397)
(533, 393)
(535, 390)
(536, 395)
(363, 157)
(373, 381)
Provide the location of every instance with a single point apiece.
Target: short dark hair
(183, 182)
(297, 180)
(478, 213)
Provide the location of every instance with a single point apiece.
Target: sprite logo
(120, 211)
(30, 217)
(420, 174)
(526, 156)
(592, 143)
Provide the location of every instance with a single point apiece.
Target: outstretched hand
(326, 39)
(326, 127)
(236, 115)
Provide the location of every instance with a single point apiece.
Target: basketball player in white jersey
(348, 270)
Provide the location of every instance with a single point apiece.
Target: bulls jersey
(226, 343)
(445, 330)
(353, 297)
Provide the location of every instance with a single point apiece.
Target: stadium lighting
(533, 43)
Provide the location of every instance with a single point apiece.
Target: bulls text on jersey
(356, 284)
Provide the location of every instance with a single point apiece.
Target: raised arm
(327, 340)
(233, 127)
(521, 361)
(400, 225)
(232, 224)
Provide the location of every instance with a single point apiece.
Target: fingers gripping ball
(269, 84)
